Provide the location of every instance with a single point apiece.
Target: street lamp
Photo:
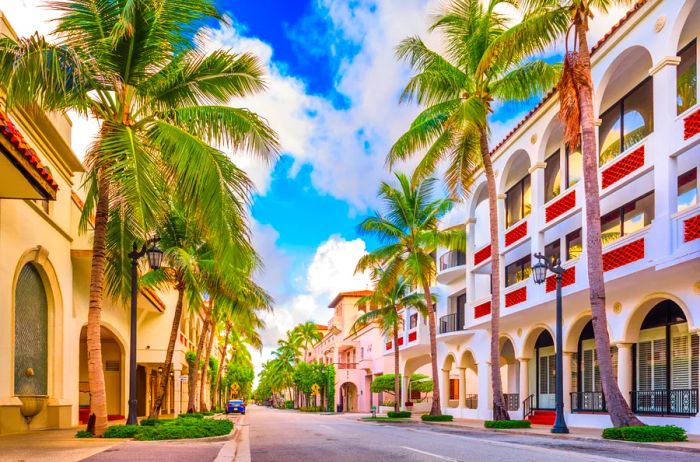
(539, 274)
(155, 257)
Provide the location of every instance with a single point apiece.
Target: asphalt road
(290, 436)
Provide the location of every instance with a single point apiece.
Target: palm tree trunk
(221, 366)
(191, 399)
(435, 408)
(397, 380)
(96, 376)
(499, 406)
(205, 372)
(167, 365)
(620, 412)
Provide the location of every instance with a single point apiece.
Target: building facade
(648, 119)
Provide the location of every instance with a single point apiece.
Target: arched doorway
(141, 390)
(665, 362)
(586, 386)
(469, 376)
(510, 375)
(348, 397)
(451, 381)
(113, 365)
(544, 371)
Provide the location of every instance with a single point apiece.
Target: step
(542, 417)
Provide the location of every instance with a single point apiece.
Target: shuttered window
(652, 359)
(684, 358)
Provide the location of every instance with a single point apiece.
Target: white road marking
(425, 453)
(522, 445)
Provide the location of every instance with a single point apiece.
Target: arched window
(31, 333)
(545, 373)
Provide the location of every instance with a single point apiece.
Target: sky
(332, 95)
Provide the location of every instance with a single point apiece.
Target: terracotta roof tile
(354, 293)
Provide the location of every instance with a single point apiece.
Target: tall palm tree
(459, 91)
(554, 18)
(160, 101)
(409, 228)
(388, 304)
(308, 334)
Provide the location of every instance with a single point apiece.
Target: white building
(646, 99)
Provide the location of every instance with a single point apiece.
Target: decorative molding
(501, 197)
(660, 23)
(617, 308)
(665, 61)
(533, 138)
(470, 221)
(537, 166)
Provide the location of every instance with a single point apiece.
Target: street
(289, 436)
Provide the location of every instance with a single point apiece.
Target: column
(485, 397)
(462, 387)
(177, 383)
(404, 391)
(523, 389)
(624, 369)
(568, 355)
(502, 246)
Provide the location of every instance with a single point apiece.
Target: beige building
(44, 282)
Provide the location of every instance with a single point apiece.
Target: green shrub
(436, 418)
(398, 415)
(122, 431)
(186, 428)
(311, 409)
(153, 422)
(645, 434)
(83, 434)
(194, 415)
(289, 404)
(507, 424)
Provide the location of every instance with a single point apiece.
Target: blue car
(235, 405)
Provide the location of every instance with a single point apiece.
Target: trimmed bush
(194, 415)
(186, 428)
(153, 422)
(398, 415)
(83, 434)
(311, 409)
(646, 434)
(436, 418)
(507, 424)
(289, 404)
(122, 431)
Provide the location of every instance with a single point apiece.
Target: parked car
(235, 405)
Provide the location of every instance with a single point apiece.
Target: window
(518, 271)
(627, 122)
(687, 78)
(518, 201)
(574, 166)
(454, 389)
(413, 321)
(627, 219)
(574, 245)
(552, 177)
(552, 251)
(687, 189)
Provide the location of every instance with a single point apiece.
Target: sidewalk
(54, 445)
(576, 433)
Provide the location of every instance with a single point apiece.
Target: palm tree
(160, 101)
(409, 229)
(308, 334)
(554, 18)
(388, 304)
(459, 91)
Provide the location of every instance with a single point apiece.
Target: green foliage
(398, 415)
(190, 357)
(419, 383)
(330, 378)
(122, 431)
(383, 419)
(311, 409)
(192, 415)
(646, 434)
(289, 404)
(385, 382)
(242, 374)
(83, 434)
(436, 418)
(153, 422)
(507, 424)
(186, 428)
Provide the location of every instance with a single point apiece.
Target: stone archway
(348, 397)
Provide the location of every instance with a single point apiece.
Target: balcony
(347, 366)
(450, 323)
(451, 266)
(666, 402)
(588, 401)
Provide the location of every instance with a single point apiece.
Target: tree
(575, 87)
(160, 101)
(459, 91)
(385, 306)
(308, 334)
(409, 229)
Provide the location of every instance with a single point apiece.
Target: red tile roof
(354, 293)
(637, 6)
(10, 132)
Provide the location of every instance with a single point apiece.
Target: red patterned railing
(482, 254)
(517, 233)
(568, 278)
(623, 167)
(412, 336)
(691, 125)
(560, 207)
(691, 229)
(623, 255)
(482, 309)
(400, 342)
(516, 296)
(388, 345)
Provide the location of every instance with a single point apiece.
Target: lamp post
(539, 274)
(155, 257)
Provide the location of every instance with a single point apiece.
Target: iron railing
(512, 401)
(347, 365)
(471, 401)
(666, 402)
(448, 323)
(528, 406)
(452, 258)
(588, 401)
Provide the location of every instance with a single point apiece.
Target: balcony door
(461, 302)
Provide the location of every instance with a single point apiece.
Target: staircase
(542, 417)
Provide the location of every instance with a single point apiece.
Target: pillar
(523, 389)
(624, 369)
(404, 391)
(485, 396)
(568, 355)
(462, 387)
(177, 383)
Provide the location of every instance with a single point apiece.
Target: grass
(647, 434)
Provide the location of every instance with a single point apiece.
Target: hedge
(311, 409)
(172, 429)
(507, 424)
(84, 434)
(194, 415)
(398, 415)
(122, 431)
(436, 418)
(646, 434)
(289, 404)
(153, 422)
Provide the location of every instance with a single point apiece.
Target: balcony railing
(448, 323)
(452, 258)
(512, 401)
(588, 401)
(471, 401)
(666, 402)
(347, 365)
